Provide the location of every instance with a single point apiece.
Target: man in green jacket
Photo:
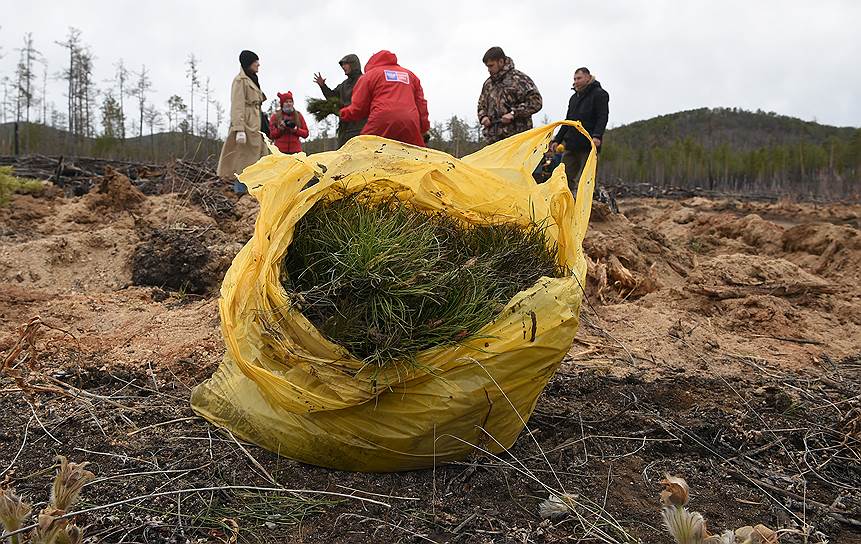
(344, 92)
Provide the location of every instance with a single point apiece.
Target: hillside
(735, 150)
(739, 128)
(45, 140)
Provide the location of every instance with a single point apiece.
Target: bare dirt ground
(721, 342)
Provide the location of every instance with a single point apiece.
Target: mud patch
(187, 260)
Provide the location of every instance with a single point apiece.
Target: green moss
(11, 184)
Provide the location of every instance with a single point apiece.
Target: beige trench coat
(245, 101)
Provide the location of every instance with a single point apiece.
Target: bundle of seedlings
(387, 281)
(321, 108)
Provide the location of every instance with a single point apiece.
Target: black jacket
(590, 107)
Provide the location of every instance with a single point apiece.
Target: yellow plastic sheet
(283, 386)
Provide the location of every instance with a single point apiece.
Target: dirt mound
(760, 235)
(740, 275)
(172, 211)
(21, 215)
(762, 314)
(115, 192)
(187, 260)
(822, 239)
(629, 261)
(832, 251)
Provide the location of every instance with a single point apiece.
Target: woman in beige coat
(244, 144)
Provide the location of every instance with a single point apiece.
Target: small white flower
(556, 506)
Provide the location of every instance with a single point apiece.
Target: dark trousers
(574, 161)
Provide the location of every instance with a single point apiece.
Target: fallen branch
(788, 339)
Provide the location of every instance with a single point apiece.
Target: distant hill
(159, 147)
(741, 128)
(735, 150)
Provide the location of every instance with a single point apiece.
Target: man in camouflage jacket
(508, 98)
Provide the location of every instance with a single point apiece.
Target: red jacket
(287, 139)
(392, 100)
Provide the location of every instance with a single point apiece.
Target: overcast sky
(797, 58)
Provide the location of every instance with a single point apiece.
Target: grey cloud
(657, 57)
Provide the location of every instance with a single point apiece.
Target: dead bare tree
(86, 92)
(122, 75)
(219, 117)
(153, 119)
(73, 44)
(193, 83)
(26, 78)
(207, 129)
(44, 119)
(143, 86)
(5, 106)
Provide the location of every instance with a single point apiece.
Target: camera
(290, 124)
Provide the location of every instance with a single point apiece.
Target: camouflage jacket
(510, 90)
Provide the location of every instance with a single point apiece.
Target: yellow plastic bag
(283, 386)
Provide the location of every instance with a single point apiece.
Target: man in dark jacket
(590, 105)
(508, 98)
(344, 92)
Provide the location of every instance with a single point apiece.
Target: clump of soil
(629, 261)
(115, 192)
(19, 218)
(173, 259)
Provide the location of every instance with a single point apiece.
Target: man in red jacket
(287, 125)
(392, 99)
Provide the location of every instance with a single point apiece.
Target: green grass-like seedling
(387, 281)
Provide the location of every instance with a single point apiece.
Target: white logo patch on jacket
(394, 75)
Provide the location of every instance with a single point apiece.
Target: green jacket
(344, 92)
